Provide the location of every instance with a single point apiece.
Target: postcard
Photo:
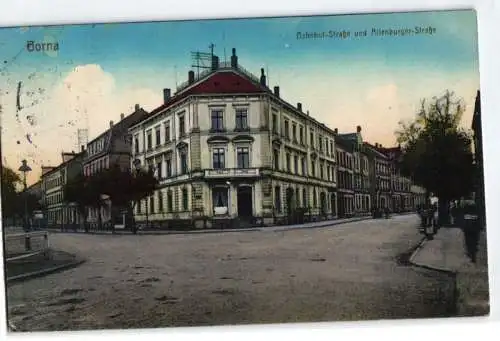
(242, 171)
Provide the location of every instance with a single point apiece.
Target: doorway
(245, 202)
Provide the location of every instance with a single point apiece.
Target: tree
(125, 189)
(437, 153)
(83, 191)
(10, 179)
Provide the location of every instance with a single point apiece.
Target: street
(338, 273)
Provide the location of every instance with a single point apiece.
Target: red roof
(222, 81)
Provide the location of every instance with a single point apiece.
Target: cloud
(86, 97)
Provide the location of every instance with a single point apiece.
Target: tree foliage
(10, 179)
(437, 153)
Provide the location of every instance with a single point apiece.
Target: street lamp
(25, 169)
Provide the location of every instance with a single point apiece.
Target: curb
(44, 272)
(428, 267)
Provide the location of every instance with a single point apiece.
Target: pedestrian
(471, 228)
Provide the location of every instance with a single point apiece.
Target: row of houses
(225, 146)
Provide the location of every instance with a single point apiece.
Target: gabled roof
(375, 150)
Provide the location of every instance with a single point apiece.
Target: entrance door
(245, 202)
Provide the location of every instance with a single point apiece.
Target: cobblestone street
(343, 272)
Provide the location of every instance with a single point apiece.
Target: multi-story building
(112, 147)
(361, 172)
(226, 146)
(58, 212)
(380, 174)
(401, 196)
(345, 175)
(478, 158)
(418, 196)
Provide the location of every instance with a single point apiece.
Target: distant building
(112, 147)
(226, 147)
(58, 212)
(380, 174)
(401, 196)
(361, 172)
(478, 158)
(345, 176)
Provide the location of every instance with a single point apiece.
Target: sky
(100, 71)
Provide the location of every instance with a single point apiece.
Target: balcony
(232, 173)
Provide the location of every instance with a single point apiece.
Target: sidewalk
(446, 252)
(40, 265)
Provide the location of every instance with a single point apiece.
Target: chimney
(336, 131)
(307, 112)
(83, 148)
(166, 95)
(191, 77)
(234, 59)
(262, 77)
(111, 124)
(358, 129)
(299, 106)
(122, 116)
(277, 91)
(137, 107)
(215, 62)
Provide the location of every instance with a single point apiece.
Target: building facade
(58, 212)
(112, 147)
(226, 147)
(380, 174)
(345, 175)
(361, 172)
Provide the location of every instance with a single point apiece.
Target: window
(277, 198)
(275, 123)
(304, 198)
(301, 135)
(296, 164)
(182, 126)
(160, 201)
(217, 120)
(150, 140)
(311, 138)
(184, 164)
(313, 168)
(287, 132)
(321, 172)
(241, 119)
(276, 159)
(243, 157)
(219, 197)
(170, 201)
(288, 165)
(158, 136)
(304, 166)
(218, 158)
(167, 132)
(320, 144)
(185, 199)
(297, 196)
(169, 167)
(136, 143)
(294, 132)
(331, 148)
(158, 170)
(315, 200)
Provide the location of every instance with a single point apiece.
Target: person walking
(471, 228)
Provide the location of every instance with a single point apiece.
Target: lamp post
(25, 169)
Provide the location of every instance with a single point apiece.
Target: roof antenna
(267, 73)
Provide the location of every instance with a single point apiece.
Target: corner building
(229, 151)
